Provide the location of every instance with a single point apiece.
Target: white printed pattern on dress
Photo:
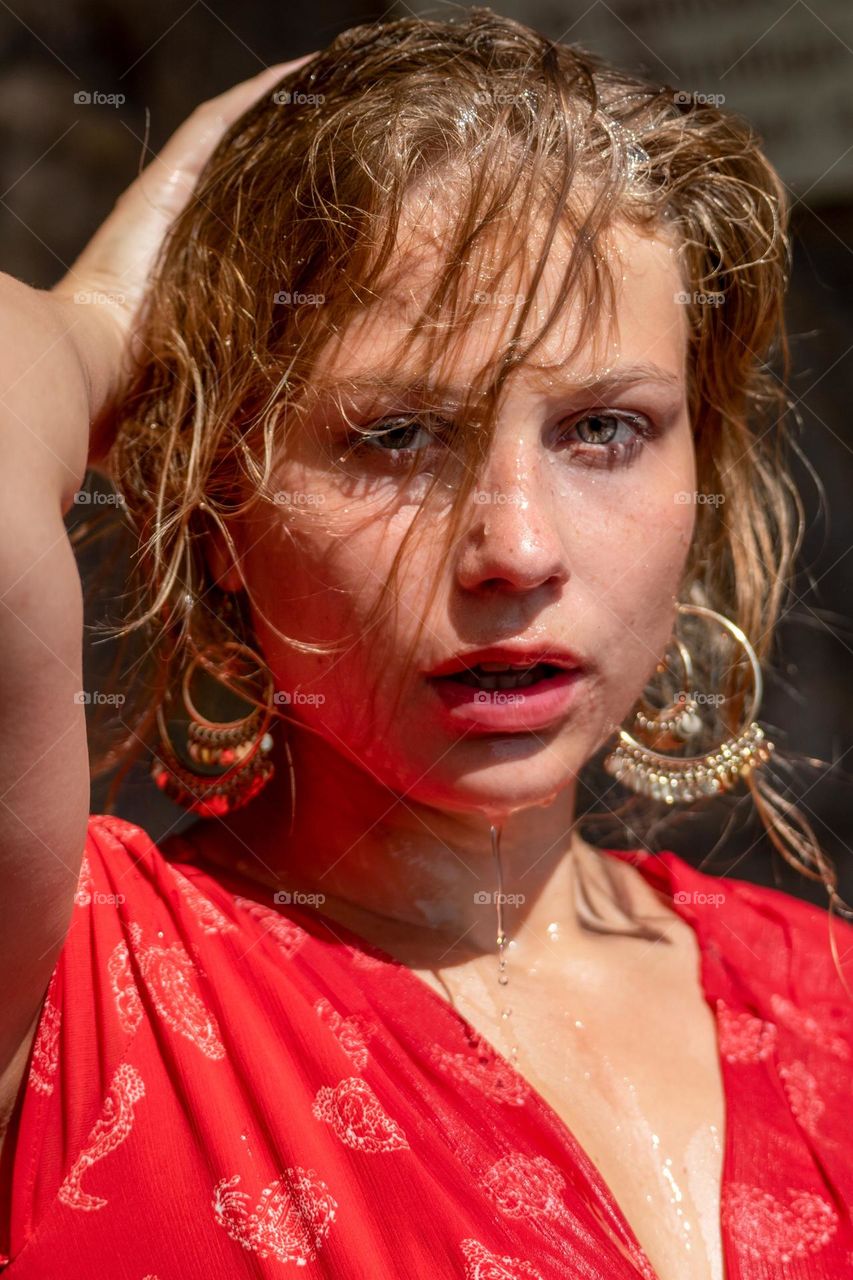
(744, 1038)
(768, 1231)
(484, 1070)
(481, 1264)
(291, 1220)
(169, 976)
(85, 884)
(524, 1186)
(109, 1132)
(747, 1039)
(805, 1025)
(46, 1044)
(210, 918)
(362, 960)
(352, 1032)
(358, 1117)
(288, 936)
(801, 1089)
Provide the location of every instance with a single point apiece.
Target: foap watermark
(485, 496)
(699, 299)
(702, 698)
(98, 498)
(96, 297)
(97, 698)
(484, 896)
(292, 298)
(97, 898)
(485, 99)
(297, 498)
(484, 297)
(684, 498)
(698, 898)
(289, 98)
(96, 98)
(290, 897)
(682, 98)
(284, 698)
(498, 697)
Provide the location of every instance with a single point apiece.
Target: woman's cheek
(629, 582)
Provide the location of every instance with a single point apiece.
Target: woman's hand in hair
(104, 290)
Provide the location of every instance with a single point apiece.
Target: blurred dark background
(788, 68)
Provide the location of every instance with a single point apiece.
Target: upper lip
(509, 653)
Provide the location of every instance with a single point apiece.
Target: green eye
(405, 435)
(602, 431)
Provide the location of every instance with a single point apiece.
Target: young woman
(433, 374)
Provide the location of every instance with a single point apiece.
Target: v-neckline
(447, 1010)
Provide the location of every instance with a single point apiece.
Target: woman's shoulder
(786, 958)
(157, 884)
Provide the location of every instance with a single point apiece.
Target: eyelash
(607, 454)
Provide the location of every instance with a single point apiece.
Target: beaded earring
(644, 768)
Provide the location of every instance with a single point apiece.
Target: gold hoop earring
(683, 779)
(241, 745)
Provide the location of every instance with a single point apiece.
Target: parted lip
(528, 655)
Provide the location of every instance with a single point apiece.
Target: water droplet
(159, 933)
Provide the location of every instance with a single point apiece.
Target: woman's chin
(497, 799)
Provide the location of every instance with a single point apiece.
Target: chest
(631, 1067)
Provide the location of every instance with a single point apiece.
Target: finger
(191, 144)
(167, 181)
(124, 245)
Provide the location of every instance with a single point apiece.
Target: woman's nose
(513, 538)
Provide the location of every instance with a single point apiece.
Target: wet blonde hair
(306, 193)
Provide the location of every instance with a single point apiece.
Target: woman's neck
(393, 868)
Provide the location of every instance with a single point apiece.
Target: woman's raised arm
(64, 355)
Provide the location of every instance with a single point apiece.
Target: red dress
(225, 1087)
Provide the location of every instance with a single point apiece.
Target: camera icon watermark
(698, 298)
(286, 697)
(484, 497)
(702, 698)
(483, 897)
(96, 297)
(682, 98)
(684, 497)
(697, 897)
(297, 498)
(482, 297)
(498, 697)
(98, 498)
(95, 98)
(288, 897)
(287, 98)
(293, 298)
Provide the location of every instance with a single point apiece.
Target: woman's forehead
(642, 323)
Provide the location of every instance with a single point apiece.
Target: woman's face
(575, 537)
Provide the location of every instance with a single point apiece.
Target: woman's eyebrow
(606, 380)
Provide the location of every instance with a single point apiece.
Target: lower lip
(509, 710)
